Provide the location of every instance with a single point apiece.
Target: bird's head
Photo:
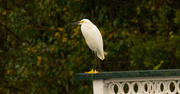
(83, 22)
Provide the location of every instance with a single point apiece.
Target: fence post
(99, 87)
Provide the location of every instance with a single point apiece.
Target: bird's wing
(94, 40)
(100, 49)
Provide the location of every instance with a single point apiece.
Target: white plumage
(93, 37)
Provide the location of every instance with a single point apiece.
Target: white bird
(93, 39)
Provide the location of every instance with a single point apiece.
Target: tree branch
(17, 37)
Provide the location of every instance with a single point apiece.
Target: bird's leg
(93, 66)
(95, 63)
(93, 70)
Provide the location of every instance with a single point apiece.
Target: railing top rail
(128, 74)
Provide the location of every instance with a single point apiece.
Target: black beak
(74, 23)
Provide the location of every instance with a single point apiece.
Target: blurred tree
(40, 53)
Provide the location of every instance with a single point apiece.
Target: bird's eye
(81, 21)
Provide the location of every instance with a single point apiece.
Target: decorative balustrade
(134, 82)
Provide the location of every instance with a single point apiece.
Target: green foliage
(40, 53)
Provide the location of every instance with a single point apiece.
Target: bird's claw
(92, 71)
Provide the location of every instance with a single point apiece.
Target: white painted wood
(99, 87)
(142, 79)
(145, 85)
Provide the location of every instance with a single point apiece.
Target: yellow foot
(96, 71)
(92, 71)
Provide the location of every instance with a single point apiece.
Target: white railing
(156, 85)
(134, 82)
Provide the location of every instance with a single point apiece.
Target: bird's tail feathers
(105, 53)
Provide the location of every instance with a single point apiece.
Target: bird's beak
(74, 23)
(77, 23)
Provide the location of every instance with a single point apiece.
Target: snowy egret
(93, 39)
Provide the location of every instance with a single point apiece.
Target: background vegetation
(40, 53)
